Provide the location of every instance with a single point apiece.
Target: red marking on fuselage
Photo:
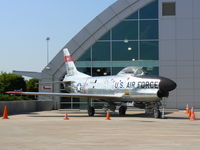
(68, 59)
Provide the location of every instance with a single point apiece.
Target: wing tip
(13, 92)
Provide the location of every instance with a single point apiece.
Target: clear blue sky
(25, 24)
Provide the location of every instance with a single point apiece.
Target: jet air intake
(165, 86)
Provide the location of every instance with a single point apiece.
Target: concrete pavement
(49, 131)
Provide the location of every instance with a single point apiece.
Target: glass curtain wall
(133, 42)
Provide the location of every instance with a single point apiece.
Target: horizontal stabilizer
(57, 82)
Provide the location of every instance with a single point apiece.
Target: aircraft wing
(76, 95)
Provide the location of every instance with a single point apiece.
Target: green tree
(11, 82)
(32, 85)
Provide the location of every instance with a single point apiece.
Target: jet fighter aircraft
(131, 84)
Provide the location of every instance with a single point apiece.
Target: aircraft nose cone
(167, 85)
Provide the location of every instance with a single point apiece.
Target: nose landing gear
(156, 113)
(152, 110)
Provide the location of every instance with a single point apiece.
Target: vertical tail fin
(70, 67)
(69, 63)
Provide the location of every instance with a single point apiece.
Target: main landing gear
(122, 110)
(111, 107)
(91, 111)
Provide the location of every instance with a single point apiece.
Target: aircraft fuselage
(133, 88)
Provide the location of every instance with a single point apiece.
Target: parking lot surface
(49, 131)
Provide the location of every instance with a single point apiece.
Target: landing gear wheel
(149, 112)
(91, 111)
(156, 113)
(122, 110)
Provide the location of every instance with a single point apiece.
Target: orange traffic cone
(187, 111)
(66, 116)
(5, 113)
(192, 116)
(108, 116)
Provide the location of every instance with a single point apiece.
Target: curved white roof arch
(93, 31)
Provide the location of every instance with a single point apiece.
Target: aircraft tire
(91, 111)
(149, 112)
(157, 113)
(122, 110)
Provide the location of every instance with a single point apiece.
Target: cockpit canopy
(135, 71)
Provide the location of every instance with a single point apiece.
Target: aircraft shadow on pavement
(178, 118)
(102, 115)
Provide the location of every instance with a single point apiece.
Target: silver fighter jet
(131, 84)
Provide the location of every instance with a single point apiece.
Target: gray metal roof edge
(31, 74)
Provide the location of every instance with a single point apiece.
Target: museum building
(163, 36)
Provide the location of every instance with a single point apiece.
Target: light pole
(47, 39)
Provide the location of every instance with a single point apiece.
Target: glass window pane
(84, 106)
(85, 70)
(65, 99)
(150, 11)
(76, 106)
(105, 36)
(83, 103)
(133, 16)
(126, 30)
(86, 56)
(116, 70)
(65, 106)
(76, 100)
(149, 29)
(101, 51)
(123, 51)
(149, 50)
(101, 71)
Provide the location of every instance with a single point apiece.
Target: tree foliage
(11, 82)
(32, 85)
(14, 98)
